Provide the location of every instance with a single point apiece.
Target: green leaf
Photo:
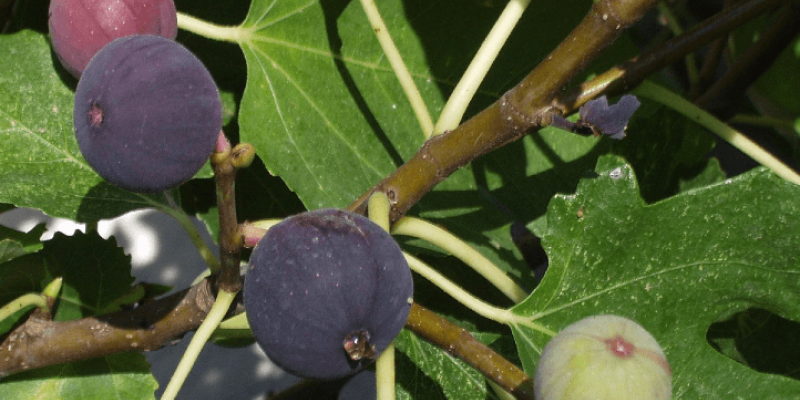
(457, 380)
(97, 274)
(676, 267)
(299, 109)
(121, 376)
(14, 243)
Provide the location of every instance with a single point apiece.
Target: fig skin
(318, 283)
(80, 28)
(603, 357)
(147, 113)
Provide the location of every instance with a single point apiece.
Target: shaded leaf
(97, 274)
(463, 381)
(14, 243)
(121, 376)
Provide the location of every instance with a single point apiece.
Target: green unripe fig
(603, 357)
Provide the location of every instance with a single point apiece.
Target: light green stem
(475, 304)
(209, 30)
(501, 393)
(53, 288)
(399, 67)
(422, 229)
(737, 139)
(462, 296)
(183, 219)
(378, 209)
(235, 322)
(465, 90)
(22, 302)
(217, 313)
(385, 374)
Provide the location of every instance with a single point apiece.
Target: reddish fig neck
(620, 347)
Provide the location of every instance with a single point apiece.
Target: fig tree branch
(629, 74)
(224, 160)
(40, 342)
(527, 106)
(463, 345)
(516, 113)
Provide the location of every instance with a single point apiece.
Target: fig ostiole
(326, 292)
(603, 357)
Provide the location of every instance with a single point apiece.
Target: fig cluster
(325, 292)
(147, 113)
(80, 28)
(603, 357)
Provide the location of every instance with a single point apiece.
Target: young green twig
(214, 317)
(43, 301)
(399, 67)
(384, 366)
(21, 303)
(209, 30)
(737, 139)
(429, 232)
(176, 212)
(453, 111)
(520, 111)
(475, 304)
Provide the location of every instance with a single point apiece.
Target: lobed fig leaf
(603, 357)
(80, 28)
(147, 113)
(326, 291)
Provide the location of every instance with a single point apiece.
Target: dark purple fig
(325, 293)
(147, 113)
(80, 28)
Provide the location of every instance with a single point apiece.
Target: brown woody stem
(518, 112)
(463, 345)
(40, 342)
(628, 75)
(225, 163)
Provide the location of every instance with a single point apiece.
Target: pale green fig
(603, 357)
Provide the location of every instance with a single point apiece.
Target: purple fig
(147, 113)
(325, 292)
